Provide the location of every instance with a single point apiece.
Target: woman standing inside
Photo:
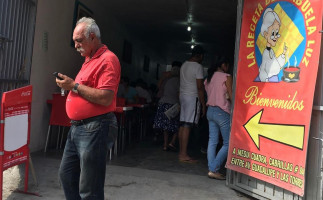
(169, 97)
(218, 87)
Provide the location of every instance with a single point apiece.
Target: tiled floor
(149, 155)
(144, 171)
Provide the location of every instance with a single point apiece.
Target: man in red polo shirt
(90, 105)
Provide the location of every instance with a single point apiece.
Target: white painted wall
(56, 19)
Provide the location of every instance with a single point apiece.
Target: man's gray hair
(91, 27)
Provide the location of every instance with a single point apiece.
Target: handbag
(173, 111)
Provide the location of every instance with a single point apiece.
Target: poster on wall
(276, 73)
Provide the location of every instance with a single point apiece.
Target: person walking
(169, 98)
(191, 99)
(218, 86)
(90, 105)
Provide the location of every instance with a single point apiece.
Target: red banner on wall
(277, 68)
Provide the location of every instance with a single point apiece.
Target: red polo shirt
(102, 71)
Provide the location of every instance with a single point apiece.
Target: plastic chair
(58, 117)
(140, 120)
(142, 100)
(122, 112)
(121, 102)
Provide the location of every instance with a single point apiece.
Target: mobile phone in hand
(56, 75)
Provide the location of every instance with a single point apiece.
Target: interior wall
(114, 34)
(54, 21)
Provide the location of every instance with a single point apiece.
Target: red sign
(276, 74)
(15, 130)
(16, 137)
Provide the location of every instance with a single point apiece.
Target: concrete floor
(144, 171)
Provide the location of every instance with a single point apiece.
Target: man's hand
(200, 92)
(102, 97)
(67, 83)
(203, 110)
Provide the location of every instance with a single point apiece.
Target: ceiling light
(189, 28)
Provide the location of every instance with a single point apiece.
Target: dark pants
(82, 170)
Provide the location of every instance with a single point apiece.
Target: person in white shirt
(191, 99)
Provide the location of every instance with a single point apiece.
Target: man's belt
(88, 120)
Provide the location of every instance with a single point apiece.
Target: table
(122, 113)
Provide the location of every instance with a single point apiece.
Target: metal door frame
(17, 26)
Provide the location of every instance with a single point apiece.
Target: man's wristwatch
(75, 88)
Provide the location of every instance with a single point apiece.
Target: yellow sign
(292, 135)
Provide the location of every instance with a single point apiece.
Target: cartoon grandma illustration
(271, 65)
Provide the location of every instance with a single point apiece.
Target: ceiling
(162, 24)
